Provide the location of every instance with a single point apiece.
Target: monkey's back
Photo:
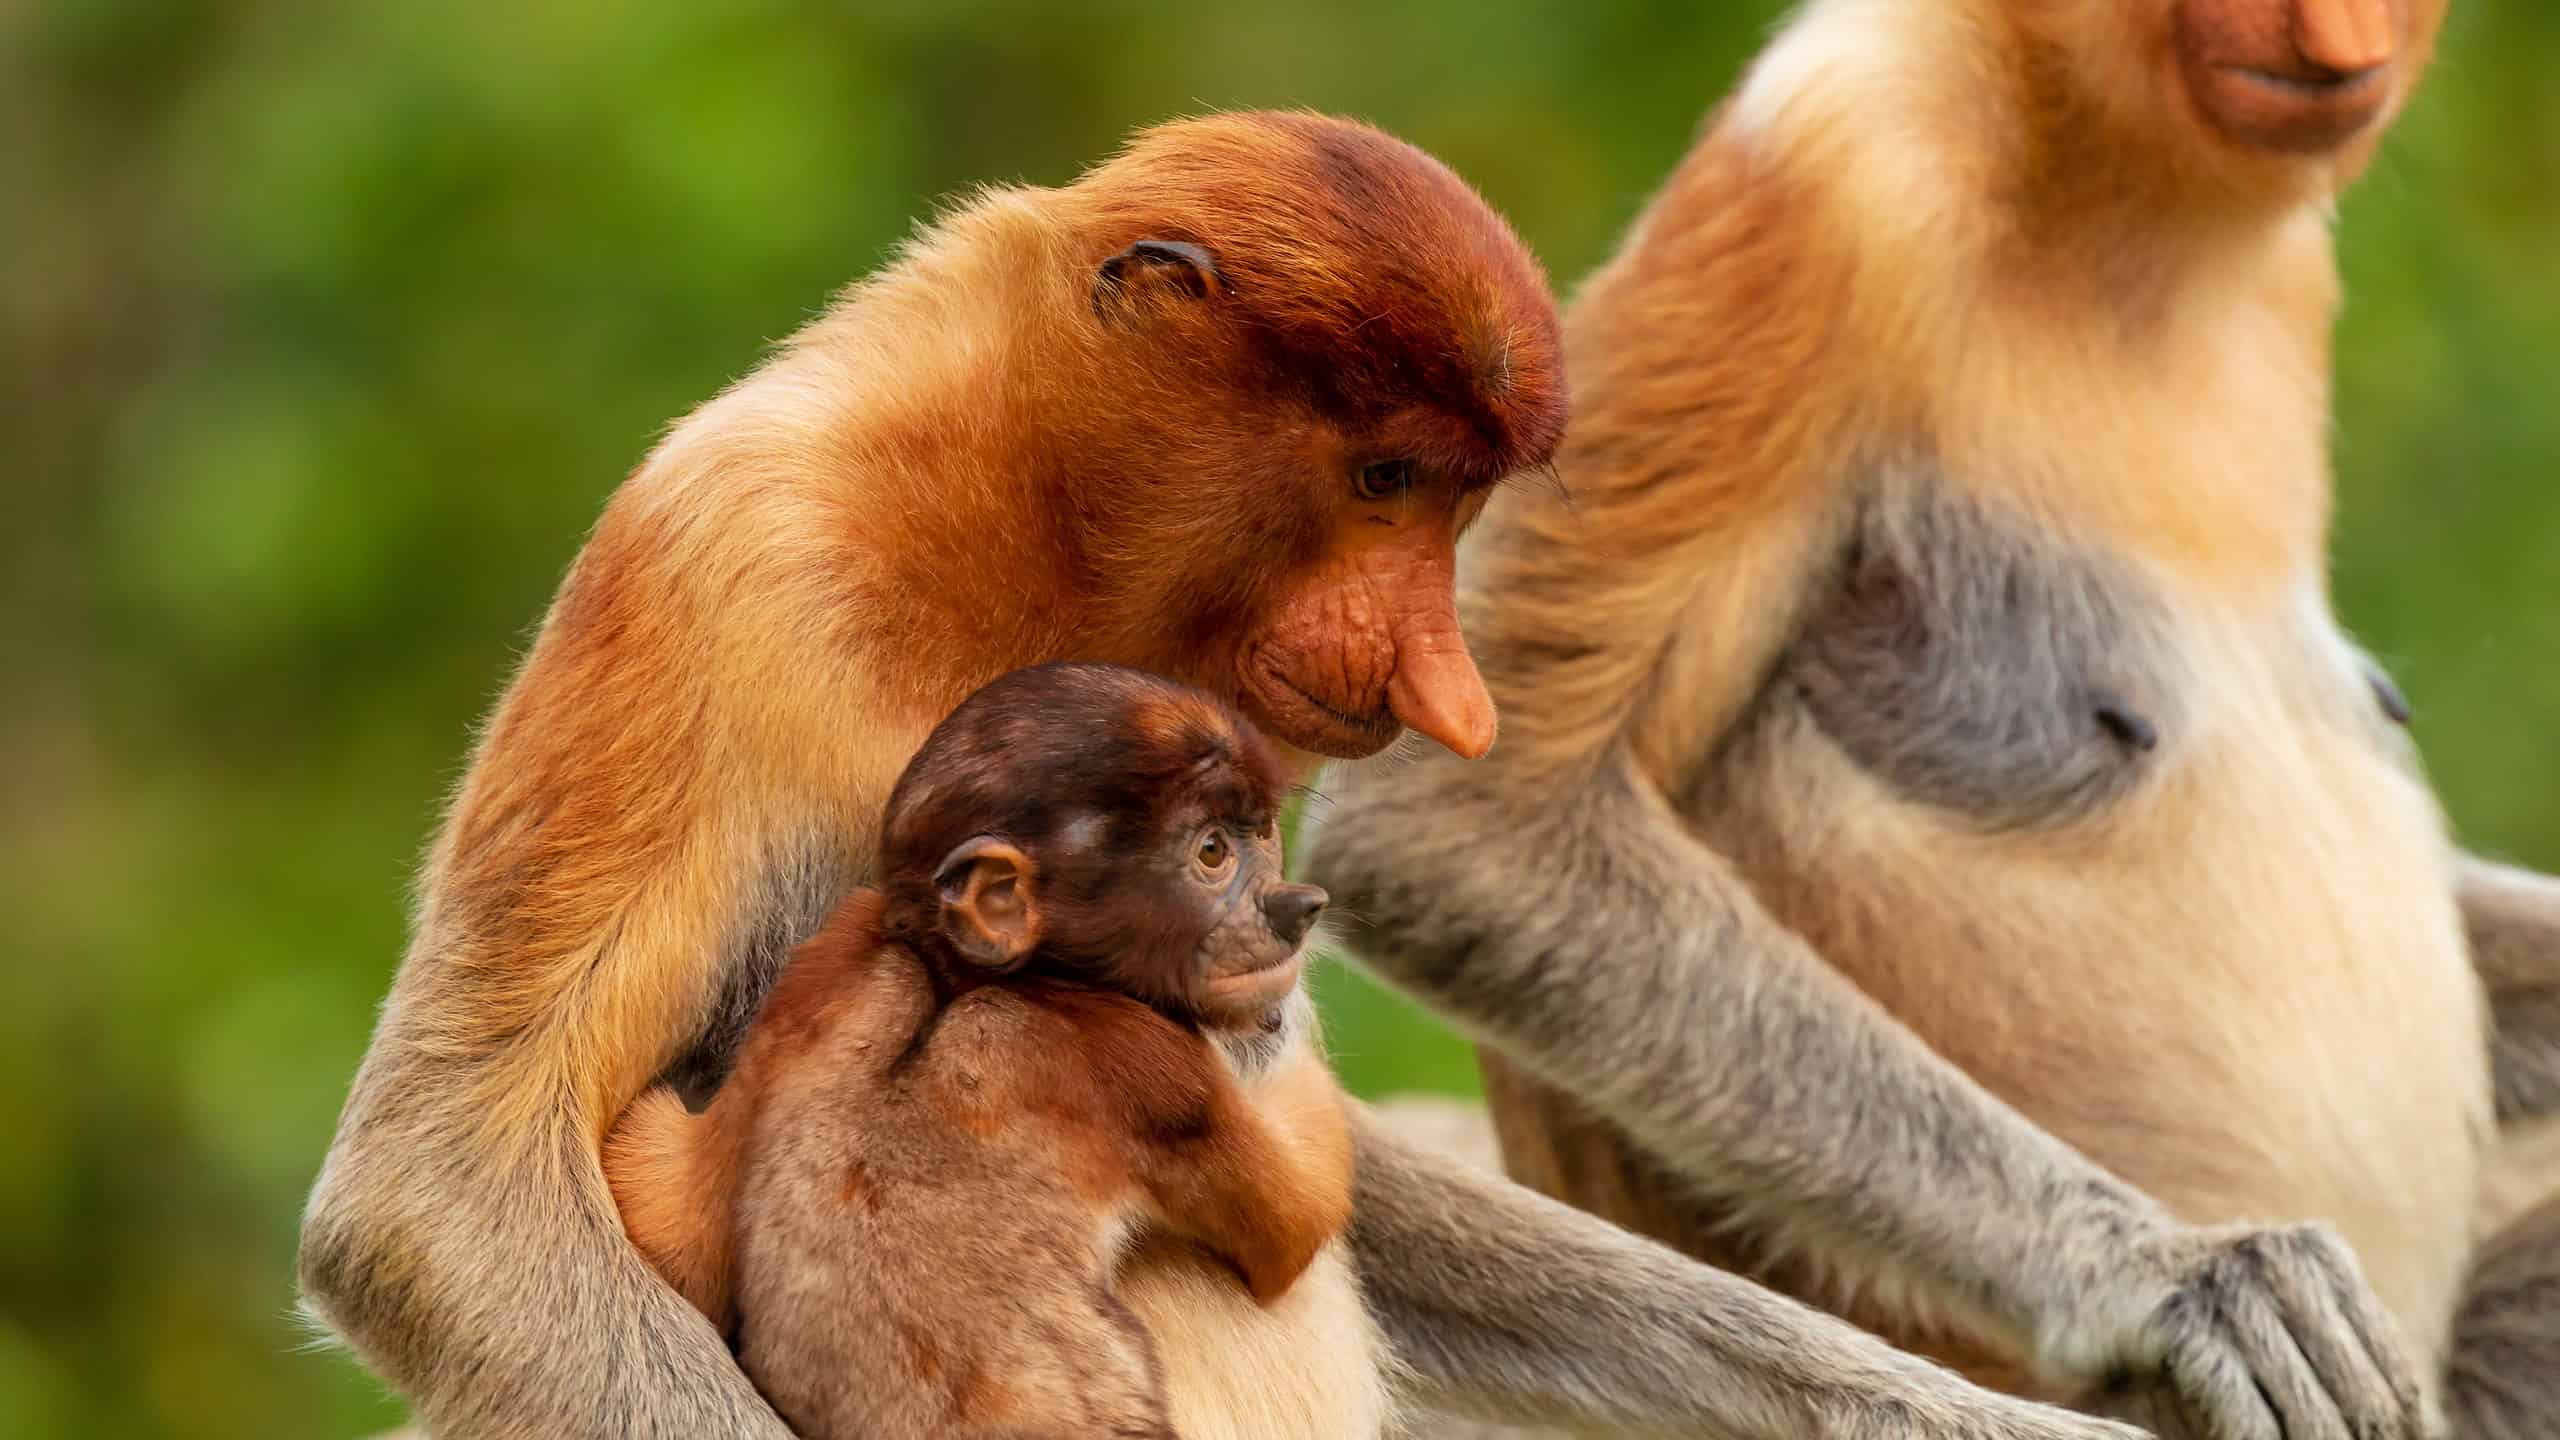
(939, 1227)
(925, 1243)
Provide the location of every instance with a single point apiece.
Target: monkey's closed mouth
(1294, 957)
(1271, 977)
(1379, 726)
(2310, 87)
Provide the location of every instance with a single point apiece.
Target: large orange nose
(2345, 38)
(1435, 688)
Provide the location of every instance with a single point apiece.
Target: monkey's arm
(1589, 934)
(2513, 918)
(1215, 1169)
(462, 1240)
(462, 1237)
(1242, 1197)
(620, 856)
(1509, 1305)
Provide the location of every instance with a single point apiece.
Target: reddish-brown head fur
(1087, 792)
(1219, 410)
(1360, 313)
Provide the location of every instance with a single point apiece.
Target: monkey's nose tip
(2344, 42)
(1292, 911)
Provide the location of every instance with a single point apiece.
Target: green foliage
(325, 329)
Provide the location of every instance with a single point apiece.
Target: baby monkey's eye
(1213, 852)
(1383, 479)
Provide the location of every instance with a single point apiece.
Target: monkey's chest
(1977, 671)
(2158, 874)
(1309, 1366)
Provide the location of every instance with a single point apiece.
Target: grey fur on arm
(2513, 919)
(1590, 936)
(1568, 1320)
(416, 1256)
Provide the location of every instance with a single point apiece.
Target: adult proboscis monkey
(1218, 409)
(1943, 856)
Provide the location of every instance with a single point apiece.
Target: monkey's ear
(1177, 264)
(989, 912)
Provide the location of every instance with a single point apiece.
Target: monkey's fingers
(2217, 1395)
(2263, 1335)
(2351, 1338)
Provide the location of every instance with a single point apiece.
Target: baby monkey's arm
(1257, 1173)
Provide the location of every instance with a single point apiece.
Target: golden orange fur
(1815, 292)
(1944, 858)
(997, 451)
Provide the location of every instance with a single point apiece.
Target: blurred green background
(324, 329)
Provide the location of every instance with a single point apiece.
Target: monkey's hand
(2243, 1333)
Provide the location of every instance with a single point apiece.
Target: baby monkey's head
(1105, 825)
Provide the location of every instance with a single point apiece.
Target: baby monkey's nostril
(1292, 910)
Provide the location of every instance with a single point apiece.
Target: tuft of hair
(1372, 276)
(1070, 744)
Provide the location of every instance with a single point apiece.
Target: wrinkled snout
(1291, 911)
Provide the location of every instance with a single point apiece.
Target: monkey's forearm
(1590, 936)
(1511, 1306)
(499, 1294)
(2513, 919)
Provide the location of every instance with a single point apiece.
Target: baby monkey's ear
(1170, 265)
(989, 912)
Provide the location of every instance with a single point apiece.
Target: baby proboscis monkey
(1070, 1011)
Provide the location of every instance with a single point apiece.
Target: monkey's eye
(1213, 854)
(1383, 480)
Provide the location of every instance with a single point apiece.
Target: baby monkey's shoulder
(1039, 1053)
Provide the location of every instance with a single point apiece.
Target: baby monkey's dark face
(1226, 939)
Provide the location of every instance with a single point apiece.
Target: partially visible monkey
(1071, 1012)
(1944, 856)
(1219, 410)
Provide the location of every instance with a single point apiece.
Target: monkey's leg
(2503, 1380)
(1463, 1131)
(2513, 919)
(1509, 1305)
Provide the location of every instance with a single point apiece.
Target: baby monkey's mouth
(1262, 982)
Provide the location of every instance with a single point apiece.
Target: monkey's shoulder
(1044, 1055)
